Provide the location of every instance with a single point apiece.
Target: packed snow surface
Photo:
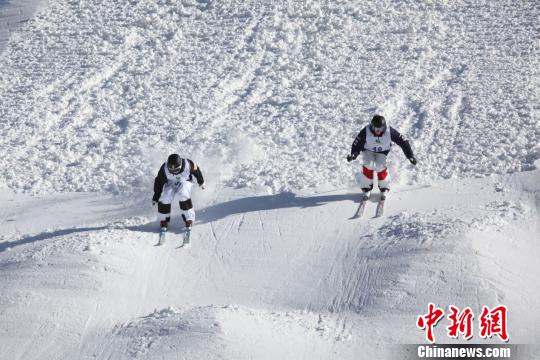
(267, 98)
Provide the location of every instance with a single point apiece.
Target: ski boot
(187, 223)
(163, 225)
(187, 233)
(384, 192)
(365, 194)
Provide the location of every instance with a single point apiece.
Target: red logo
(492, 322)
(460, 322)
(429, 320)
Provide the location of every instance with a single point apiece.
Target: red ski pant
(374, 166)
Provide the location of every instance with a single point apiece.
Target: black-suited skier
(174, 179)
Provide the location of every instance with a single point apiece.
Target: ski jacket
(186, 174)
(359, 143)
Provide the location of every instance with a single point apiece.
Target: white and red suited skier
(375, 142)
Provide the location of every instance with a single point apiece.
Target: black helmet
(378, 124)
(175, 164)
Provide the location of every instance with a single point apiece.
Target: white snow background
(267, 98)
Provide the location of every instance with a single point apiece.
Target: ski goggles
(175, 171)
(378, 129)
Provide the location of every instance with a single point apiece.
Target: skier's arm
(196, 171)
(402, 142)
(159, 181)
(358, 144)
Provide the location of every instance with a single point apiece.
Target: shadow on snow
(47, 235)
(250, 204)
(268, 202)
(205, 215)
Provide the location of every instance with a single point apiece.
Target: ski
(360, 211)
(162, 236)
(187, 237)
(361, 207)
(380, 206)
(187, 234)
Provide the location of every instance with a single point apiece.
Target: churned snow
(95, 94)
(267, 98)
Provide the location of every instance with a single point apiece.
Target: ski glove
(351, 157)
(413, 160)
(154, 202)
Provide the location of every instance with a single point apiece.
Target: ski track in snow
(267, 97)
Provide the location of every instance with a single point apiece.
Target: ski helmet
(175, 164)
(378, 124)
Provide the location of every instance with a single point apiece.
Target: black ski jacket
(161, 178)
(395, 136)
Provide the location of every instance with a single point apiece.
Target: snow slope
(266, 97)
(267, 276)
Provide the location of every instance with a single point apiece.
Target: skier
(375, 141)
(175, 178)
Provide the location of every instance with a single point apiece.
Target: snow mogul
(375, 142)
(174, 179)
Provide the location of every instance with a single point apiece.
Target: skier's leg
(164, 205)
(366, 179)
(382, 172)
(184, 196)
